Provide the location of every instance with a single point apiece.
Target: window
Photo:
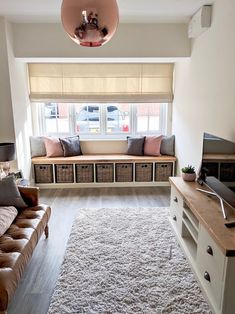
(149, 118)
(101, 100)
(99, 120)
(56, 118)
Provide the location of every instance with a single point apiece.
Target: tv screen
(218, 167)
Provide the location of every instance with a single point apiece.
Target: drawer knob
(209, 250)
(175, 199)
(174, 218)
(207, 276)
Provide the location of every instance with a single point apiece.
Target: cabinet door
(211, 266)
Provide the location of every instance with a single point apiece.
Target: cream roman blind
(101, 82)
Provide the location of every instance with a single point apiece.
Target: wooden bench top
(208, 212)
(219, 157)
(101, 158)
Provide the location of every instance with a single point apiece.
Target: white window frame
(42, 122)
(40, 129)
(163, 121)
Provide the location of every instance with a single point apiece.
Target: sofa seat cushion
(16, 248)
(8, 284)
(34, 217)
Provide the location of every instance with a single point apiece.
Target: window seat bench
(103, 170)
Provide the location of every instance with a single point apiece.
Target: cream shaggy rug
(125, 260)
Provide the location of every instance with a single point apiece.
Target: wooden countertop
(208, 212)
(101, 158)
(218, 157)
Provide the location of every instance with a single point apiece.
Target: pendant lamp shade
(90, 23)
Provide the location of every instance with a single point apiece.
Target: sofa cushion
(168, 145)
(152, 145)
(135, 146)
(71, 146)
(37, 146)
(9, 193)
(53, 147)
(7, 215)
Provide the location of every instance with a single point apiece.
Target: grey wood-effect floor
(37, 284)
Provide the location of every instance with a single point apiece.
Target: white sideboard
(209, 245)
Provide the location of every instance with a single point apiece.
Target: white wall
(104, 146)
(130, 41)
(204, 96)
(7, 132)
(20, 105)
(7, 128)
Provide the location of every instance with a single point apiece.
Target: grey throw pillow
(135, 146)
(168, 145)
(37, 146)
(9, 193)
(71, 146)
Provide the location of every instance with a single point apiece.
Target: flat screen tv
(218, 169)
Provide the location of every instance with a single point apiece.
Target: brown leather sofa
(18, 243)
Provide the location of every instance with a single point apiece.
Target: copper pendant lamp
(90, 23)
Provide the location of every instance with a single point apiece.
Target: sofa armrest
(30, 195)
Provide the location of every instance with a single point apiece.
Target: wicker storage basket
(143, 172)
(43, 173)
(124, 172)
(163, 171)
(104, 172)
(64, 173)
(227, 172)
(85, 173)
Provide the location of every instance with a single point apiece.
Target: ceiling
(130, 11)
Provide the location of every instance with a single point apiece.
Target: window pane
(56, 117)
(63, 118)
(148, 117)
(154, 123)
(50, 126)
(118, 118)
(87, 118)
(142, 123)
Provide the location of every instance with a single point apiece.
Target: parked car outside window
(88, 119)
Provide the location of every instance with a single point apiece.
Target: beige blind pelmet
(100, 82)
